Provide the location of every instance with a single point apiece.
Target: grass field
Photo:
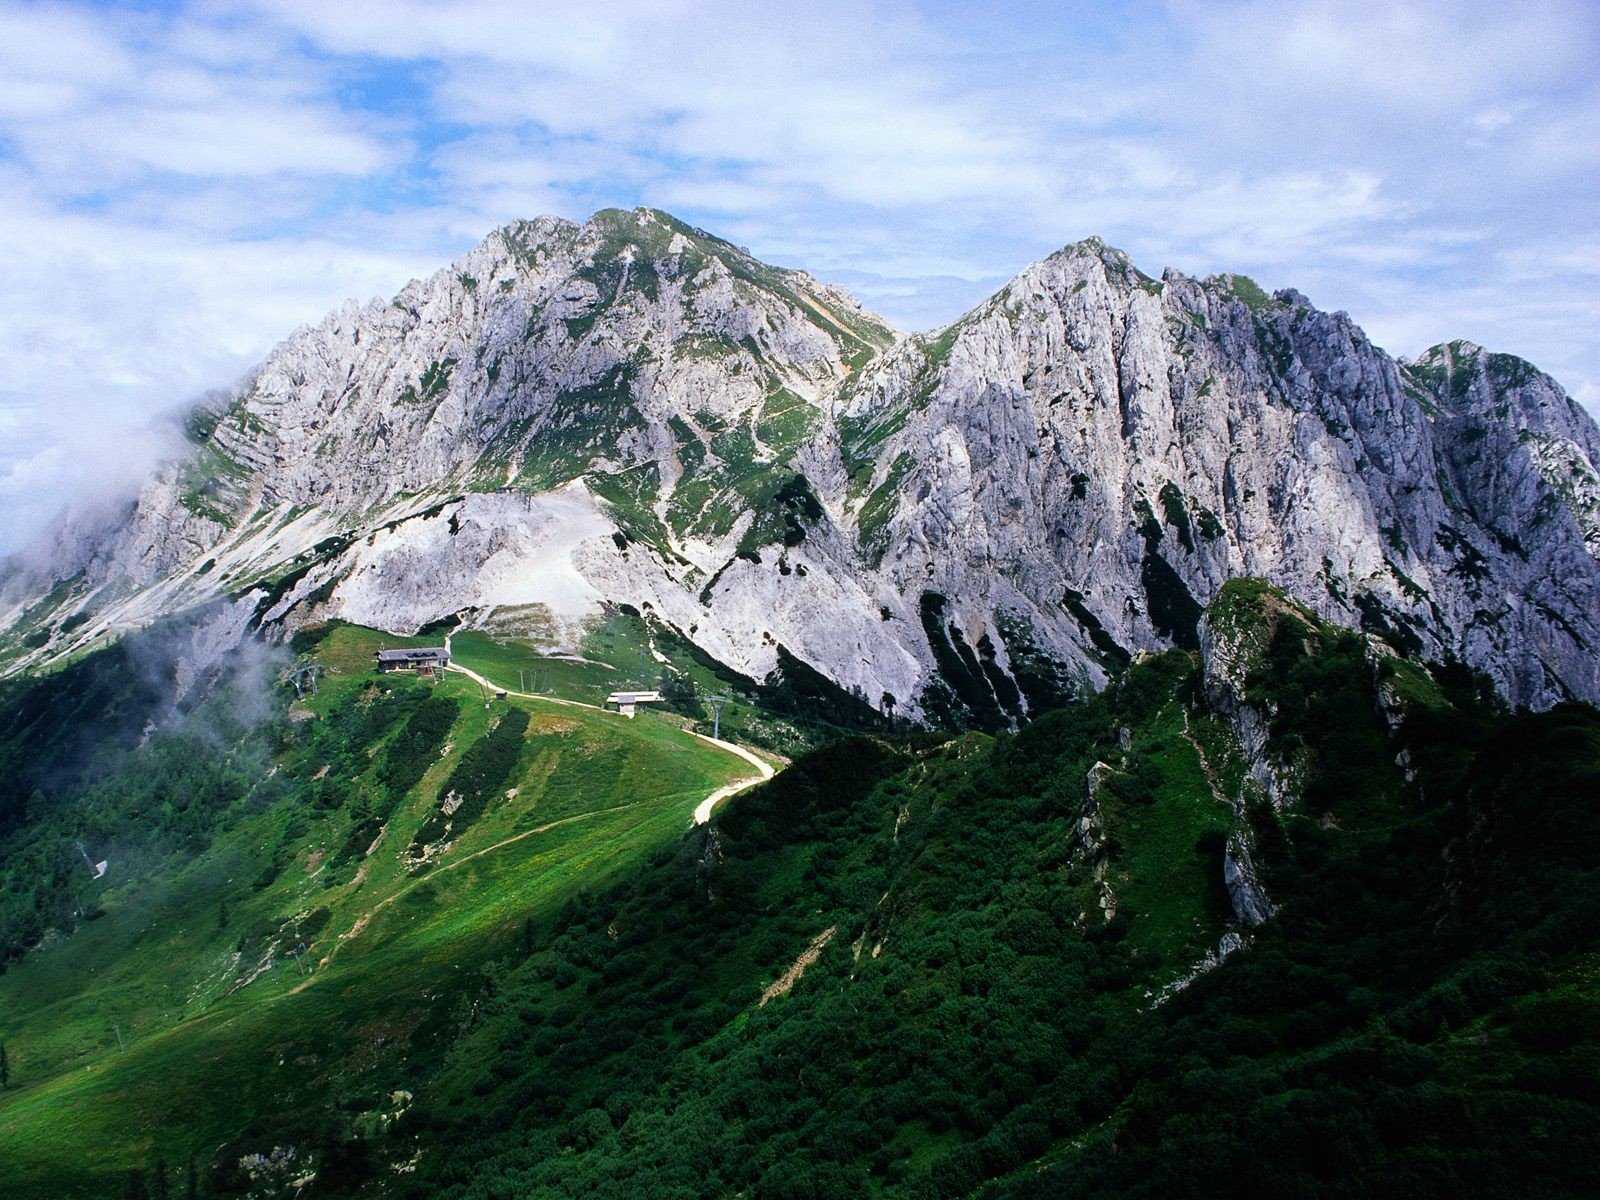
(587, 682)
(191, 966)
(620, 652)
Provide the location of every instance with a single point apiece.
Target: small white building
(627, 702)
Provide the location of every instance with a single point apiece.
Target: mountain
(969, 526)
(1207, 883)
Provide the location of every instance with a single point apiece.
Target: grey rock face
(1250, 903)
(1091, 838)
(975, 523)
(1229, 650)
(1099, 452)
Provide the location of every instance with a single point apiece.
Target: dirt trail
(495, 687)
(798, 968)
(1205, 763)
(702, 812)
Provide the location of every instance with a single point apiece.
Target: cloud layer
(185, 182)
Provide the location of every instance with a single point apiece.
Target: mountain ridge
(969, 525)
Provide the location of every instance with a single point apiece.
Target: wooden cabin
(424, 660)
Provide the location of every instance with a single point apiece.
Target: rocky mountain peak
(546, 349)
(971, 524)
(1089, 425)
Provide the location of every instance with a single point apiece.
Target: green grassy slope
(216, 1042)
(793, 710)
(923, 967)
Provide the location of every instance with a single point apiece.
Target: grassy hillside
(925, 966)
(272, 979)
(792, 710)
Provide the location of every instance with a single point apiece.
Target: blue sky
(183, 183)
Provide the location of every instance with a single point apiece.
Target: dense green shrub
(968, 1030)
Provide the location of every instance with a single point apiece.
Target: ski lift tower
(716, 703)
(303, 674)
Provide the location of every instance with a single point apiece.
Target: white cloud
(182, 187)
(553, 33)
(96, 103)
(108, 330)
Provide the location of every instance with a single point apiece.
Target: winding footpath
(366, 918)
(702, 812)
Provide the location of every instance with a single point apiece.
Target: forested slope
(1286, 915)
(297, 900)
(1417, 1016)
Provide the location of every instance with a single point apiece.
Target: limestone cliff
(971, 523)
